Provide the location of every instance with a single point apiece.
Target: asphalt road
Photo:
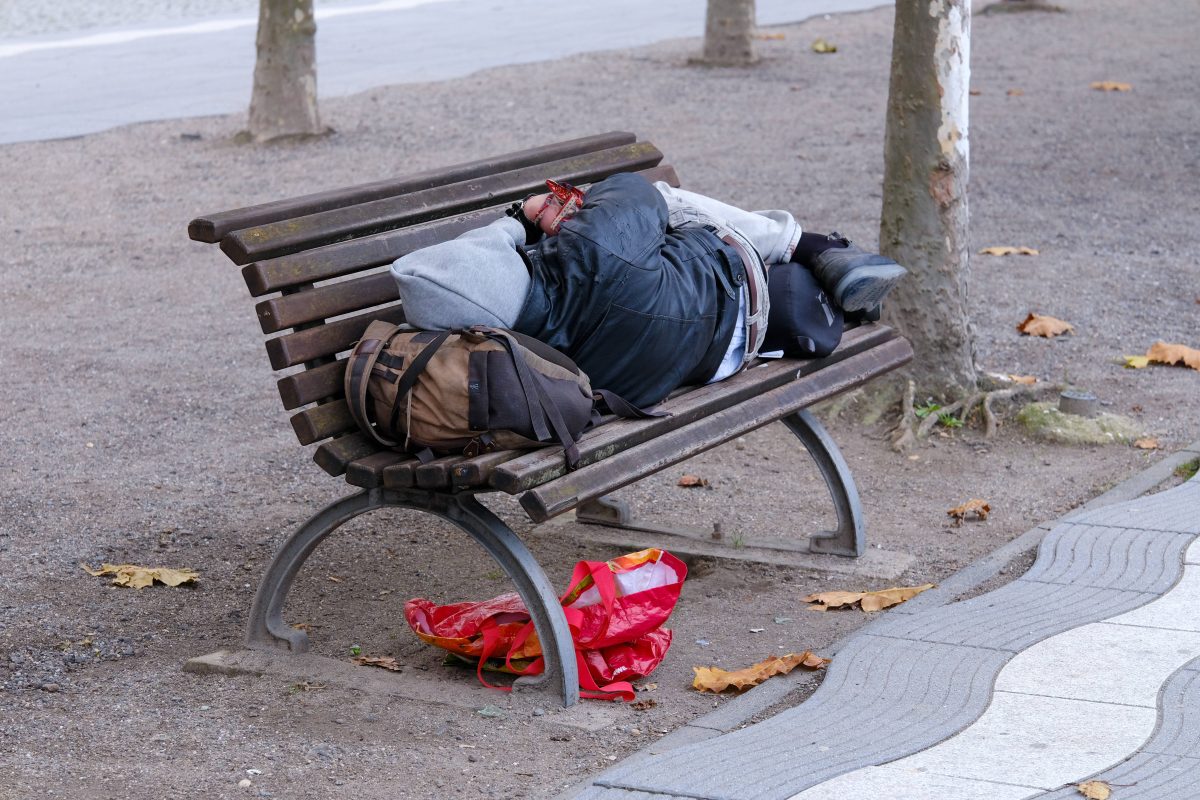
(62, 85)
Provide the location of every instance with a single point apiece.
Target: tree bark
(284, 100)
(729, 34)
(924, 219)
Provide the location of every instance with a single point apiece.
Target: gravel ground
(142, 424)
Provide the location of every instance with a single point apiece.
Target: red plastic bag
(615, 610)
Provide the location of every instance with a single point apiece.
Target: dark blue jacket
(641, 309)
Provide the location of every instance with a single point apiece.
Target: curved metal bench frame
(267, 629)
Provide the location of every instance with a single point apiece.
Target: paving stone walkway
(1086, 667)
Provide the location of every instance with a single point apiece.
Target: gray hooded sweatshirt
(476, 279)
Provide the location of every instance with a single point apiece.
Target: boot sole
(865, 287)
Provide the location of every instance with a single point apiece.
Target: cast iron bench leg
(850, 537)
(268, 630)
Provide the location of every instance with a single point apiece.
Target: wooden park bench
(319, 263)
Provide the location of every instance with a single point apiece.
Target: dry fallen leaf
(336, 578)
(141, 577)
(1163, 353)
(644, 704)
(386, 662)
(1112, 86)
(1136, 362)
(822, 46)
(1049, 327)
(769, 36)
(693, 481)
(1146, 443)
(1024, 380)
(867, 601)
(1094, 790)
(1015, 92)
(715, 679)
(975, 92)
(979, 508)
(1005, 250)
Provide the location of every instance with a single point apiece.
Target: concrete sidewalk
(1085, 668)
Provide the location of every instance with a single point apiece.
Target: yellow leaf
(692, 481)
(1146, 443)
(1049, 327)
(1094, 790)
(1005, 250)
(715, 679)
(1112, 86)
(822, 46)
(1136, 362)
(1163, 353)
(141, 577)
(979, 508)
(386, 662)
(867, 601)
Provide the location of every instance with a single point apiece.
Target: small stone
(205, 708)
(472, 757)
(49, 687)
(244, 783)
(539, 712)
(370, 718)
(339, 721)
(490, 711)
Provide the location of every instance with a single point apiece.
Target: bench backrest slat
(326, 340)
(345, 258)
(213, 227)
(323, 421)
(325, 227)
(311, 385)
(322, 302)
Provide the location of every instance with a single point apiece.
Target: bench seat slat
(623, 468)
(335, 455)
(367, 472)
(436, 474)
(326, 340)
(302, 233)
(474, 472)
(211, 227)
(543, 465)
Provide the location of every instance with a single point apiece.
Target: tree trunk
(284, 100)
(924, 218)
(729, 34)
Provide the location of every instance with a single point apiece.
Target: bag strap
(541, 406)
(358, 372)
(409, 378)
(623, 408)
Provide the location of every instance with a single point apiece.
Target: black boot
(856, 279)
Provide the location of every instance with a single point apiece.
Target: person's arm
(773, 233)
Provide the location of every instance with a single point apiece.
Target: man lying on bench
(647, 287)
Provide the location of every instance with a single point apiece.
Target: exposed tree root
(903, 436)
(911, 429)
